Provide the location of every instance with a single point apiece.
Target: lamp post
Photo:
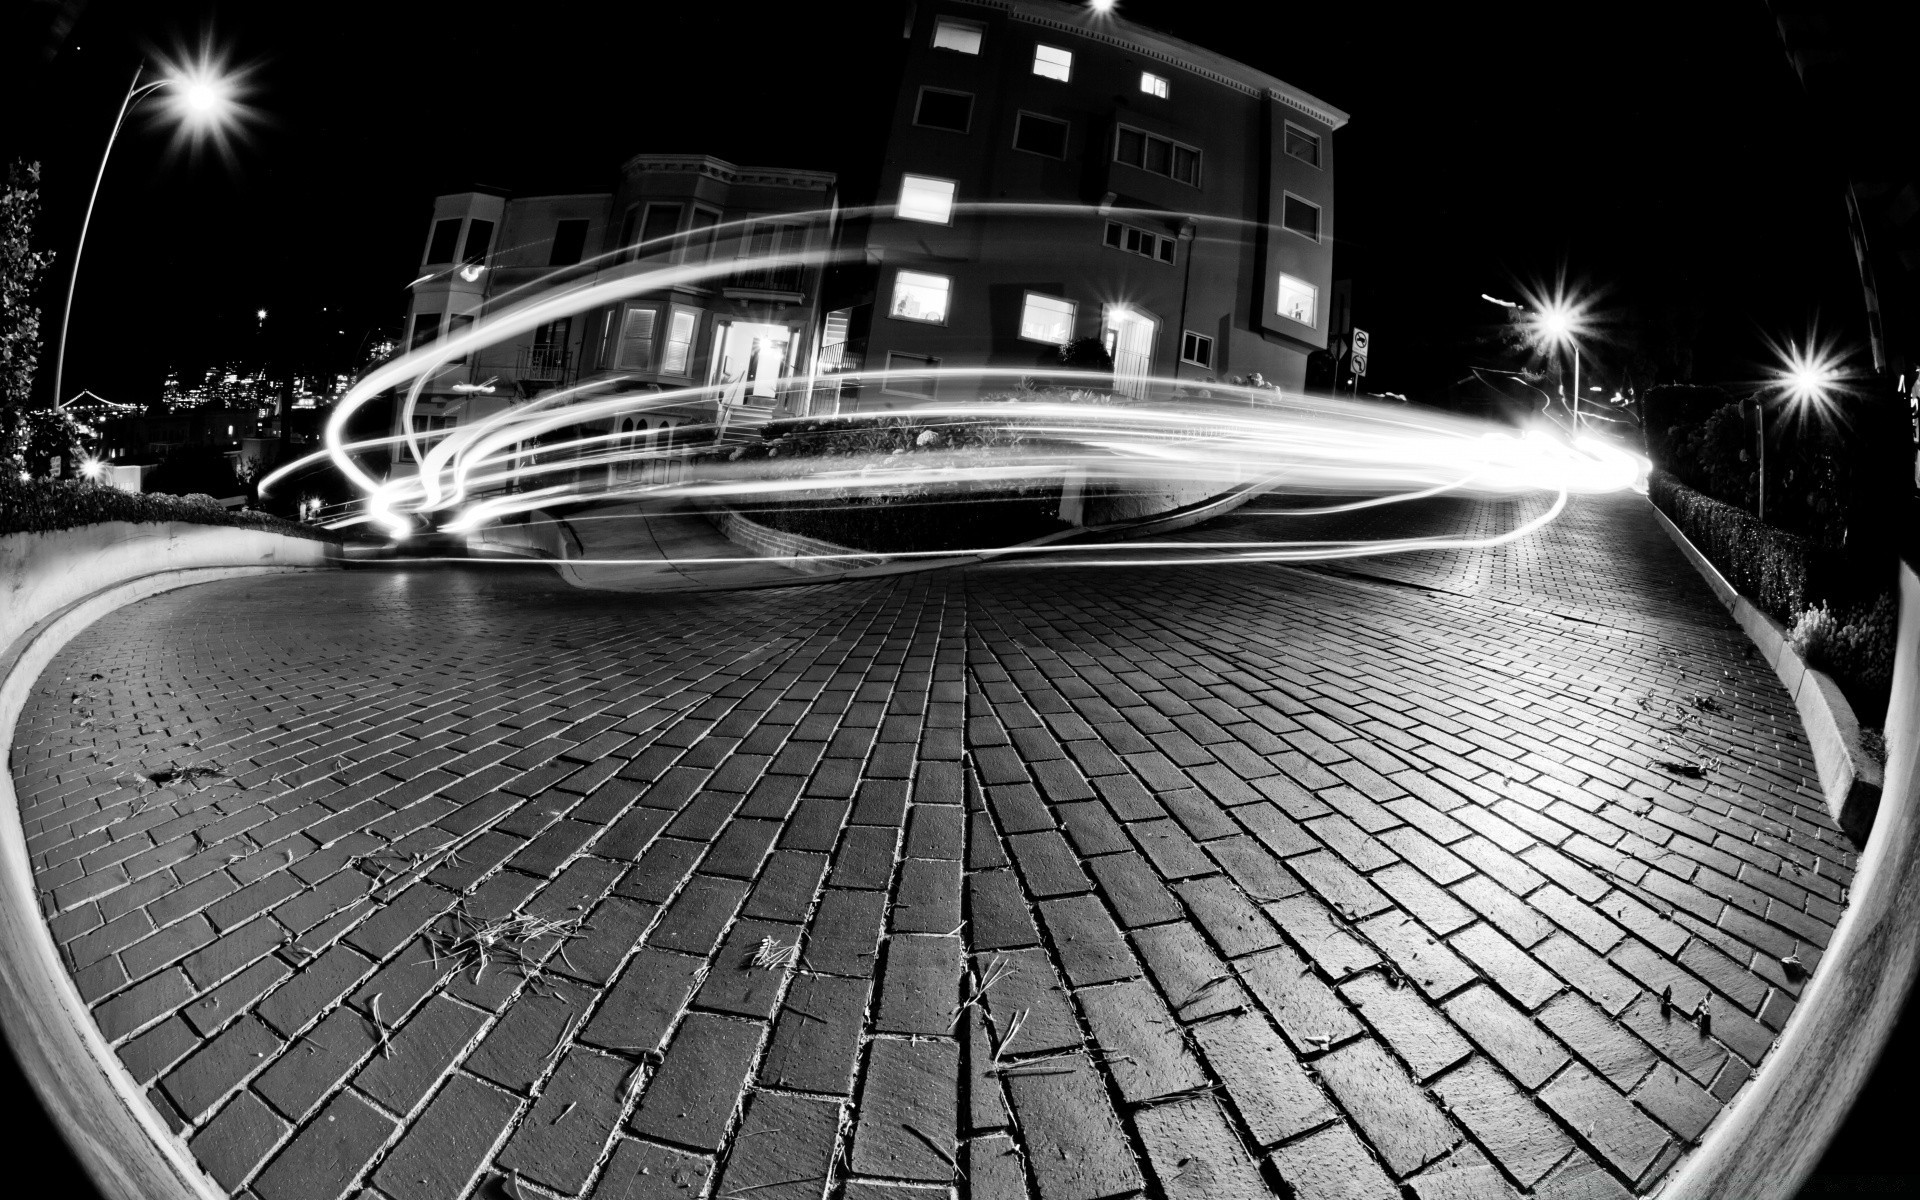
(1557, 322)
(204, 97)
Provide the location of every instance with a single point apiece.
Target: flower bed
(41, 506)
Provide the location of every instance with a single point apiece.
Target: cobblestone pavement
(1198, 881)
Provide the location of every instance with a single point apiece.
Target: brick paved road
(1065, 883)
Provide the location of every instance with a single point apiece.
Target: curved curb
(104, 1114)
(1766, 1146)
(1850, 779)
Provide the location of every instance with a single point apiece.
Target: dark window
(446, 236)
(1157, 154)
(1303, 145)
(1040, 135)
(426, 327)
(945, 110)
(569, 243)
(1303, 218)
(479, 241)
(662, 221)
(1197, 349)
(701, 235)
(1139, 241)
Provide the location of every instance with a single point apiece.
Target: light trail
(565, 447)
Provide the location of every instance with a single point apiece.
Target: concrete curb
(1765, 1146)
(105, 1116)
(1849, 778)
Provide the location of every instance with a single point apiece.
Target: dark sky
(1661, 151)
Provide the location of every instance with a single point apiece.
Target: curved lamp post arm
(135, 90)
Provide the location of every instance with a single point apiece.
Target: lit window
(1156, 154)
(1053, 62)
(636, 339)
(918, 296)
(679, 345)
(1298, 299)
(952, 34)
(1196, 348)
(1301, 217)
(1040, 135)
(1153, 85)
(1047, 319)
(924, 198)
(1303, 145)
(944, 110)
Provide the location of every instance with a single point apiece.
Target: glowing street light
(201, 97)
(1558, 322)
(1808, 377)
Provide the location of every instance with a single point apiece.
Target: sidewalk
(1018, 880)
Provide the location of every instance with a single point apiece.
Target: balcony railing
(543, 363)
(786, 277)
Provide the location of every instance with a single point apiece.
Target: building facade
(1053, 173)
(743, 332)
(1050, 174)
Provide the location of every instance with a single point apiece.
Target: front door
(1129, 338)
(749, 361)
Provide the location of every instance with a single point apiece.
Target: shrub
(44, 506)
(1769, 566)
(1855, 647)
(1674, 411)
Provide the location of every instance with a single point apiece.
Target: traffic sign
(1359, 364)
(1360, 342)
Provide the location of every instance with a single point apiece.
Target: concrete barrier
(1850, 779)
(1765, 1146)
(55, 585)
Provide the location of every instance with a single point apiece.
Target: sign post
(1361, 343)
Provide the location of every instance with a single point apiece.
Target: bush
(1855, 647)
(1768, 566)
(44, 506)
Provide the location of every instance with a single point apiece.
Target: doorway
(1129, 338)
(749, 361)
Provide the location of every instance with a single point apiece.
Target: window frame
(1107, 242)
(469, 253)
(978, 30)
(1316, 236)
(953, 197)
(710, 243)
(1148, 137)
(893, 298)
(928, 362)
(1066, 133)
(920, 101)
(674, 313)
(627, 314)
(1027, 297)
(1199, 338)
(1290, 128)
(1157, 86)
(670, 250)
(453, 240)
(1279, 299)
(1067, 66)
(585, 226)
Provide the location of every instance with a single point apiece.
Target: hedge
(44, 506)
(1770, 567)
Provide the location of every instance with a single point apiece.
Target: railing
(786, 277)
(546, 363)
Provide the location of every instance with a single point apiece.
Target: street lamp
(202, 98)
(1556, 322)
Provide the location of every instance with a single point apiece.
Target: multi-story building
(1054, 173)
(1051, 173)
(745, 332)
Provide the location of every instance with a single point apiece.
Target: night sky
(1662, 152)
